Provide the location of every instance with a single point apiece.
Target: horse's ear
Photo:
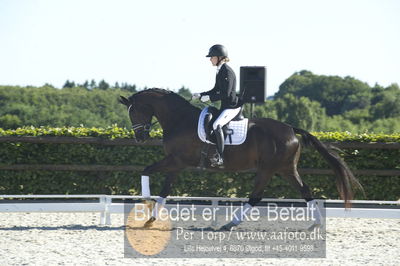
(124, 100)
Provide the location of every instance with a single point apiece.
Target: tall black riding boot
(207, 126)
(219, 160)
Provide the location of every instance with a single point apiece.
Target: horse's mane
(176, 98)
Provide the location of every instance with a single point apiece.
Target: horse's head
(140, 115)
(168, 107)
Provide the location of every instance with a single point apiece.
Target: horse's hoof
(227, 227)
(149, 223)
(219, 166)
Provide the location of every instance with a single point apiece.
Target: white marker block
(315, 212)
(145, 186)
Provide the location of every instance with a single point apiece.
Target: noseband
(146, 126)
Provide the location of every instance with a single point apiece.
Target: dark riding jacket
(224, 89)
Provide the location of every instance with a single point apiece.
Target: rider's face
(214, 60)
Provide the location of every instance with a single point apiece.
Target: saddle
(235, 131)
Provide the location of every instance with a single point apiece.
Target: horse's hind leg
(262, 179)
(294, 179)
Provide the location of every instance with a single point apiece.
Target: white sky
(163, 43)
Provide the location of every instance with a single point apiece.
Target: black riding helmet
(217, 50)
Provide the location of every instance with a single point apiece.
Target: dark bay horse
(271, 146)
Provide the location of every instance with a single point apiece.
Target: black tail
(345, 180)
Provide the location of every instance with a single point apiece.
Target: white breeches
(226, 116)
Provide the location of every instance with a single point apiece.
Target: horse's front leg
(160, 202)
(171, 167)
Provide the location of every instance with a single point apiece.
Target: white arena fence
(105, 205)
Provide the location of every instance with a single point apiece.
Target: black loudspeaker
(253, 84)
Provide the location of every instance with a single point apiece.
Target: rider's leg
(207, 126)
(220, 145)
(223, 119)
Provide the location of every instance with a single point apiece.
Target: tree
(85, 84)
(9, 121)
(103, 85)
(45, 106)
(93, 84)
(48, 85)
(387, 125)
(300, 112)
(357, 116)
(386, 103)
(185, 92)
(336, 94)
(127, 87)
(69, 84)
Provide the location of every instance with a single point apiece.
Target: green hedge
(188, 183)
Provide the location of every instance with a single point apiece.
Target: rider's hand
(196, 95)
(205, 98)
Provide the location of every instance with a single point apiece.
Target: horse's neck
(171, 116)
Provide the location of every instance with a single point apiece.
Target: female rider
(224, 91)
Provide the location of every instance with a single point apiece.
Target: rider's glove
(205, 98)
(196, 95)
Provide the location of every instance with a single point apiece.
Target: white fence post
(105, 217)
(107, 210)
(214, 204)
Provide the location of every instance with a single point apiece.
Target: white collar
(219, 67)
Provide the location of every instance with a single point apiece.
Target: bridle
(146, 126)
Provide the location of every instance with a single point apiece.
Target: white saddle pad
(239, 130)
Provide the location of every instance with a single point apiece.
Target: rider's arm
(214, 93)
